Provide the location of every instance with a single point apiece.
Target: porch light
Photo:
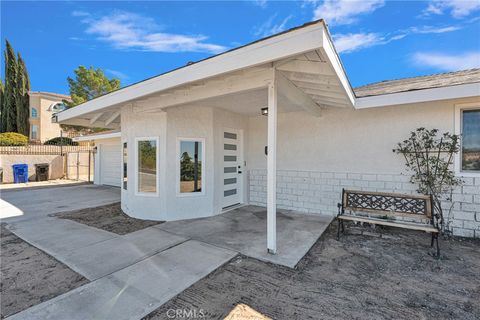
(264, 111)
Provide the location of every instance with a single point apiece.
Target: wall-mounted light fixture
(264, 111)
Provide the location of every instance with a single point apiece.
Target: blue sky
(377, 40)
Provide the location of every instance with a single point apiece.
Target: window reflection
(471, 140)
(147, 166)
(190, 166)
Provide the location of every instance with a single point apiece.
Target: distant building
(42, 106)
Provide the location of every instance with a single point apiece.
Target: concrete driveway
(27, 204)
(131, 275)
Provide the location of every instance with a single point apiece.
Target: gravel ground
(29, 276)
(110, 218)
(368, 274)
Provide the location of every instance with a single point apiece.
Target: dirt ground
(29, 276)
(381, 274)
(109, 217)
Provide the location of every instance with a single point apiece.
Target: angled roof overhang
(304, 55)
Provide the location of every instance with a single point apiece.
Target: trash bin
(20, 173)
(41, 171)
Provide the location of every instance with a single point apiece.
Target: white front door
(232, 167)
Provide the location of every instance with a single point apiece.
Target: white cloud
(430, 29)
(269, 27)
(345, 43)
(457, 8)
(118, 74)
(427, 30)
(126, 30)
(345, 11)
(79, 13)
(260, 3)
(447, 62)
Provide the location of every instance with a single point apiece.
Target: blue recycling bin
(20, 173)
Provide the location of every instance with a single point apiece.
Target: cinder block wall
(319, 192)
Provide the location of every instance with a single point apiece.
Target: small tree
(429, 156)
(89, 83)
(186, 167)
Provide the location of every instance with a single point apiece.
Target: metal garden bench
(413, 212)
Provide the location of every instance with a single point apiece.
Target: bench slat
(388, 213)
(426, 228)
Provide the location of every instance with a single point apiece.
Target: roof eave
(281, 46)
(418, 96)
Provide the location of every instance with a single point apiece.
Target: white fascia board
(417, 96)
(98, 136)
(275, 48)
(328, 50)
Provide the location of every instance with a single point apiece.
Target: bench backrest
(419, 206)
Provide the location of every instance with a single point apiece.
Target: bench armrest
(340, 211)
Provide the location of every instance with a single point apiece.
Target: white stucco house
(193, 142)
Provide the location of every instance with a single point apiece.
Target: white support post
(272, 167)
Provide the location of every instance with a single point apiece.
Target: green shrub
(13, 139)
(61, 141)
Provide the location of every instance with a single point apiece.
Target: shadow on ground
(384, 274)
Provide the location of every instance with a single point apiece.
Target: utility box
(41, 171)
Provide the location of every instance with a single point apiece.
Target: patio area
(244, 230)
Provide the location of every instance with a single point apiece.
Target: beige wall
(46, 129)
(347, 140)
(352, 149)
(55, 162)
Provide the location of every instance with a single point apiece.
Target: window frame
(32, 112)
(177, 175)
(34, 131)
(157, 162)
(53, 105)
(124, 170)
(458, 129)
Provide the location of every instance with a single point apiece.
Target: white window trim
(147, 194)
(190, 194)
(459, 108)
(122, 164)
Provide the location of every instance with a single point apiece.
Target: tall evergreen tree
(9, 112)
(2, 93)
(22, 98)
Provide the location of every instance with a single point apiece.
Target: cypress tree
(22, 99)
(10, 116)
(2, 88)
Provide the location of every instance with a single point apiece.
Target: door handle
(239, 171)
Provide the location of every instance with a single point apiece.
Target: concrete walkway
(244, 230)
(92, 252)
(135, 291)
(131, 274)
(136, 273)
